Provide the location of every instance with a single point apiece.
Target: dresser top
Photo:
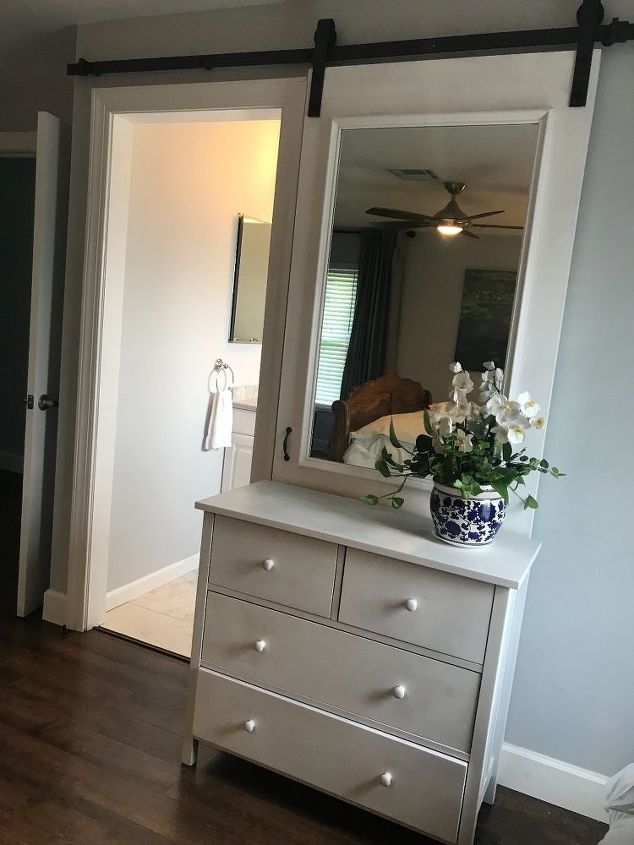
(399, 534)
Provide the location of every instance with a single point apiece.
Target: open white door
(49, 243)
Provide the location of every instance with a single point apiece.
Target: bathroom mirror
(426, 243)
(249, 280)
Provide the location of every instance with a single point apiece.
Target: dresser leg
(190, 751)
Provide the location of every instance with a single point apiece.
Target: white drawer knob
(411, 604)
(249, 726)
(399, 692)
(386, 779)
(268, 563)
(260, 645)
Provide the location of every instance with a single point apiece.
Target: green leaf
(429, 429)
(507, 451)
(531, 502)
(370, 499)
(523, 457)
(544, 463)
(393, 438)
(383, 468)
(501, 488)
(397, 502)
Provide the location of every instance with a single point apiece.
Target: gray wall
(17, 194)
(33, 78)
(431, 298)
(573, 695)
(574, 690)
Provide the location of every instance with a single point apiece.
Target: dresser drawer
(446, 613)
(421, 696)
(276, 565)
(333, 754)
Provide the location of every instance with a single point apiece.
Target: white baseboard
(554, 781)
(54, 609)
(11, 462)
(131, 591)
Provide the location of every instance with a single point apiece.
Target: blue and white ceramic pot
(466, 522)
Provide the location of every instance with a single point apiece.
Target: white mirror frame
(528, 88)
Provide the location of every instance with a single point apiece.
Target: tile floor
(164, 617)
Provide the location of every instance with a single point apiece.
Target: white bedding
(367, 443)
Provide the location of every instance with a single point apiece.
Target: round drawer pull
(268, 563)
(386, 779)
(260, 645)
(411, 604)
(249, 726)
(399, 691)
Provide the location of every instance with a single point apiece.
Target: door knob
(45, 402)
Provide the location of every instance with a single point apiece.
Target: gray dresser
(343, 646)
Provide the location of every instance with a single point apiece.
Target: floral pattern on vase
(466, 521)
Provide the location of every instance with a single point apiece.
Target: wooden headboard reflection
(389, 394)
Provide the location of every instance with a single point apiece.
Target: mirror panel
(425, 249)
(249, 281)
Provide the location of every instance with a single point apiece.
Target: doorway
(33, 205)
(183, 190)
(17, 199)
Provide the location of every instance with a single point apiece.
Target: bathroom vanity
(346, 647)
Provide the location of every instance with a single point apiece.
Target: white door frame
(90, 506)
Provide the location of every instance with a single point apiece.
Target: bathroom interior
(187, 259)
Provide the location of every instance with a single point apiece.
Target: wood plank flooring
(90, 748)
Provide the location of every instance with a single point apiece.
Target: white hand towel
(219, 423)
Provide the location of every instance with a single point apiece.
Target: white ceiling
(25, 20)
(495, 162)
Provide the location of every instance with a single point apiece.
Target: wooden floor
(90, 747)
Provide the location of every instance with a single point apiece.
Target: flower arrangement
(471, 446)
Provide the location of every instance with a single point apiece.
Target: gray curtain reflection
(369, 338)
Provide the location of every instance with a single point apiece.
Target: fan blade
(469, 235)
(399, 215)
(484, 214)
(494, 226)
(399, 225)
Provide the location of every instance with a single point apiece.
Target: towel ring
(221, 367)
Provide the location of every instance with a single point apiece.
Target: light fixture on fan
(448, 222)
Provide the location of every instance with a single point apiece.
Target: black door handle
(45, 402)
(287, 434)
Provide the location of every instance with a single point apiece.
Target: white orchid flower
(462, 380)
(501, 434)
(437, 445)
(495, 404)
(484, 397)
(455, 367)
(530, 408)
(464, 441)
(489, 365)
(499, 378)
(509, 413)
(516, 434)
(537, 422)
(445, 426)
